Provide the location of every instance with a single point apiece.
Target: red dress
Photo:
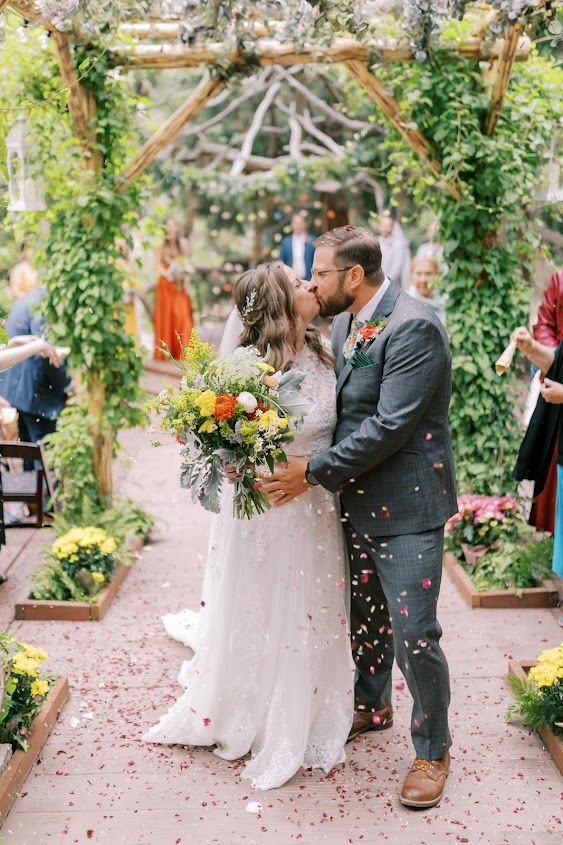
(549, 331)
(173, 318)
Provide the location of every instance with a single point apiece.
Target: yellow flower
(108, 546)
(33, 652)
(23, 665)
(282, 424)
(40, 688)
(208, 427)
(98, 577)
(206, 403)
(267, 419)
(266, 368)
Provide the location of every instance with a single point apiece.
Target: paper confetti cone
(505, 360)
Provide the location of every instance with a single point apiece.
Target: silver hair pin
(249, 304)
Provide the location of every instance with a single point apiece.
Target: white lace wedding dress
(272, 672)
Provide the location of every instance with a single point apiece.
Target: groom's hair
(354, 245)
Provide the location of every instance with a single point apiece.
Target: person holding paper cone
(544, 431)
(548, 330)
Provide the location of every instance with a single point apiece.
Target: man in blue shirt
(298, 249)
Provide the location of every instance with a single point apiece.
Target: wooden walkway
(97, 782)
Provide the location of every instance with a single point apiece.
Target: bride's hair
(265, 301)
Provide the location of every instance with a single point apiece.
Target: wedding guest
(548, 330)
(298, 249)
(544, 435)
(430, 248)
(20, 348)
(23, 277)
(173, 313)
(395, 252)
(423, 286)
(36, 387)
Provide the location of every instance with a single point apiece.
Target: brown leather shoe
(424, 784)
(378, 720)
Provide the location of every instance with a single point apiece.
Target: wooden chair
(26, 486)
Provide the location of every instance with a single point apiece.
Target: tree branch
(254, 128)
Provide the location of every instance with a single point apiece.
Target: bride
(272, 673)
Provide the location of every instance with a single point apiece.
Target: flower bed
(538, 687)
(77, 590)
(493, 557)
(29, 707)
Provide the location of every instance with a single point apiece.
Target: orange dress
(173, 316)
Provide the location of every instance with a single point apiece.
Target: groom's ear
(356, 276)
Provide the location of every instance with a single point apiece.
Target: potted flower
(25, 690)
(79, 564)
(538, 689)
(480, 522)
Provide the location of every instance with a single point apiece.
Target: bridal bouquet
(230, 409)
(179, 270)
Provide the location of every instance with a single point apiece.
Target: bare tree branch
(257, 120)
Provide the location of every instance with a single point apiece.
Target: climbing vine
(489, 236)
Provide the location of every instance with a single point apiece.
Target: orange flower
(367, 332)
(225, 407)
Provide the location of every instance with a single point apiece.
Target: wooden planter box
(39, 610)
(553, 742)
(11, 781)
(545, 595)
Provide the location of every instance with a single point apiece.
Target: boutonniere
(366, 334)
(369, 332)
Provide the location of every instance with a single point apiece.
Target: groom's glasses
(320, 274)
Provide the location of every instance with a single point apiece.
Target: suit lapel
(383, 310)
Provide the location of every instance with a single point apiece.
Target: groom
(392, 464)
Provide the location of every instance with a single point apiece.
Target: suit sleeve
(416, 359)
(285, 252)
(545, 329)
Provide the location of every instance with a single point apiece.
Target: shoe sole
(370, 728)
(421, 805)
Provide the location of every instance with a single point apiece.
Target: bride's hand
(287, 482)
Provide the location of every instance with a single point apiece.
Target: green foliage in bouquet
(512, 565)
(79, 564)
(25, 690)
(539, 699)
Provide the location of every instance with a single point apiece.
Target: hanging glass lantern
(25, 192)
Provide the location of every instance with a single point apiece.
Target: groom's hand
(287, 482)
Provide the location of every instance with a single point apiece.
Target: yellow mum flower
(206, 402)
(208, 427)
(23, 665)
(265, 367)
(108, 546)
(33, 652)
(40, 687)
(267, 419)
(98, 577)
(282, 424)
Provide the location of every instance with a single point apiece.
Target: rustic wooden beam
(272, 53)
(389, 106)
(28, 10)
(70, 81)
(500, 75)
(206, 89)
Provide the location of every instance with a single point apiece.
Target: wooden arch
(147, 45)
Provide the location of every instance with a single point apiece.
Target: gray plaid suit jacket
(392, 457)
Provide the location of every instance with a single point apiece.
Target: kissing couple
(305, 607)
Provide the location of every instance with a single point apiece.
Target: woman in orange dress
(173, 315)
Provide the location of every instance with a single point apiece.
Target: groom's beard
(336, 304)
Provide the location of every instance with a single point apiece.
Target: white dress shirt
(366, 312)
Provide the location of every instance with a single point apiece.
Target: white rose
(248, 401)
